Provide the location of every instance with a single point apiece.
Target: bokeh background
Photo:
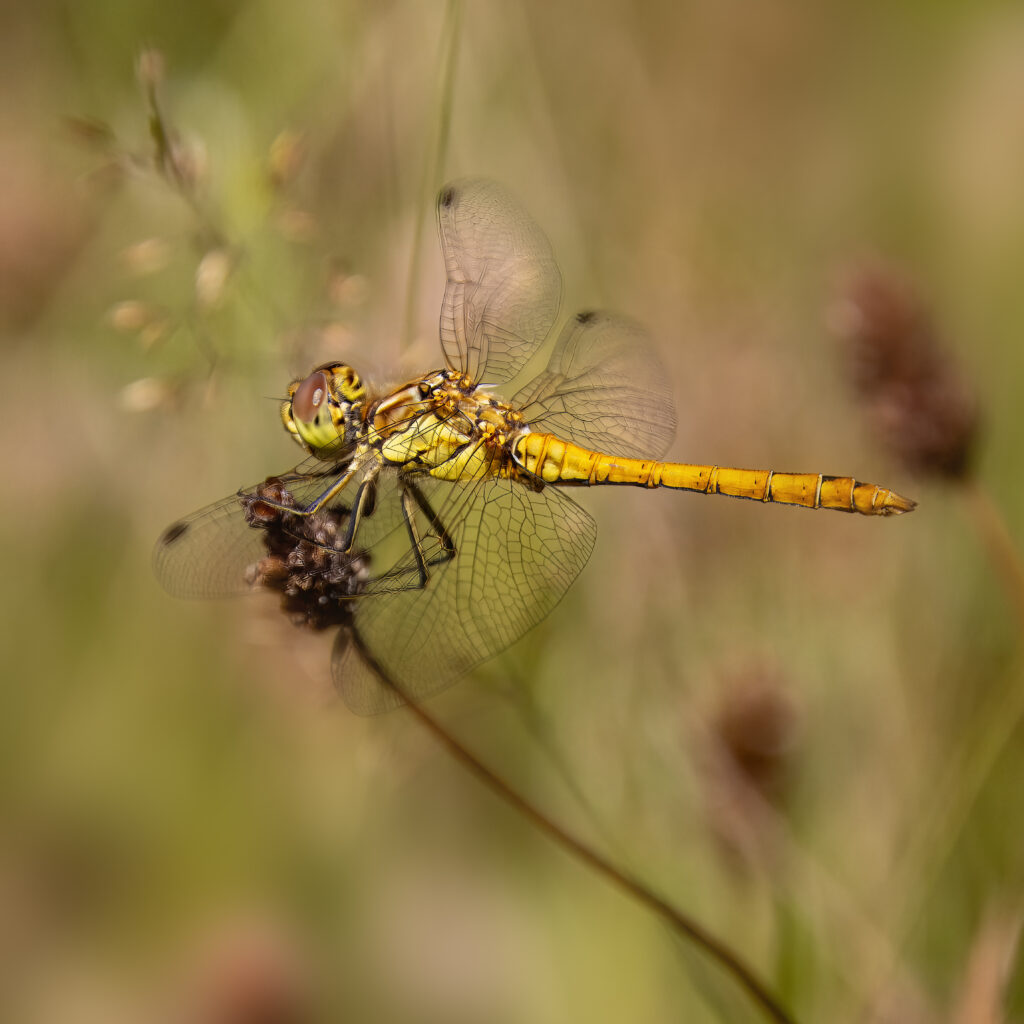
(802, 728)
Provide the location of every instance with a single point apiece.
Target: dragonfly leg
(335, 488)
(413, 498)
(366, 497)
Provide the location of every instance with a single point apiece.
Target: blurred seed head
(150, 68)
(345, 289)
(919, 403)
(146, 257)
(297, 226)
(287, 155)
(756, 724)
(212, 277)
(246, 972)
(147, 394)
(752, 742)
(148, 322)
(131, 315)
(191, 162)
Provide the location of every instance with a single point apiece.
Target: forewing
(605, 388)
(517, 552)
(503, 285)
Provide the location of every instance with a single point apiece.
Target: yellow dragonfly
(445, 505)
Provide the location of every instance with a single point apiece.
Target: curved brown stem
(676, 920)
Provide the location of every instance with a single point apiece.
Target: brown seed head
(919, 402)
(304, 562)
(756, 724)
(747, 763)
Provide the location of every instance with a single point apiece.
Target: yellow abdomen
(560, 462)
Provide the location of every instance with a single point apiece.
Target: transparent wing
(497, 555)
(605, 388)
(516, 553)
(210, 553)
(503, 284)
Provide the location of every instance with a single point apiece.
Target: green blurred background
(801, 728)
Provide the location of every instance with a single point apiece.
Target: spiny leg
(366, 498)
(334, 489)
(413, 498)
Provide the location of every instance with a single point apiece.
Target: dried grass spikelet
(212, 274)
(147, 394)
(919, 402)
(287, 155)
(145, 257)
(150, 68)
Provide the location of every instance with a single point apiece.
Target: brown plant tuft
(304, 562)
(920, 404)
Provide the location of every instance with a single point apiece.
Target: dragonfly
(446, 506)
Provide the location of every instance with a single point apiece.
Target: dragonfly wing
(516, 553)
(213, 552)
(503, 285)
(605, 388)
(208, 553)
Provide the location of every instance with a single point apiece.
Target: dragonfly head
(324, 411)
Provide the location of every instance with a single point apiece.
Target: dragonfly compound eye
(309, 396)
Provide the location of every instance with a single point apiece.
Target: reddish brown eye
(309, 396)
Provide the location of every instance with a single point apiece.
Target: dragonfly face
(324, 412)
(432, 524)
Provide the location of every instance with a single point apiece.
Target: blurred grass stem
(437, 149)
(680, 923)
(168, 162)
(983, 743)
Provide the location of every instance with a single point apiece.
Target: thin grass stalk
(433, 164)
(983, 743)
(683, 925)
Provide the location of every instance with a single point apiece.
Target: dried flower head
(304, 560)
(756, 725)
(747, 762)
(920, 405)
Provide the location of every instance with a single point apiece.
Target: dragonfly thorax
(446, 425)
(324, 411)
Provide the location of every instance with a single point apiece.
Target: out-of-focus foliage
(800, 727)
